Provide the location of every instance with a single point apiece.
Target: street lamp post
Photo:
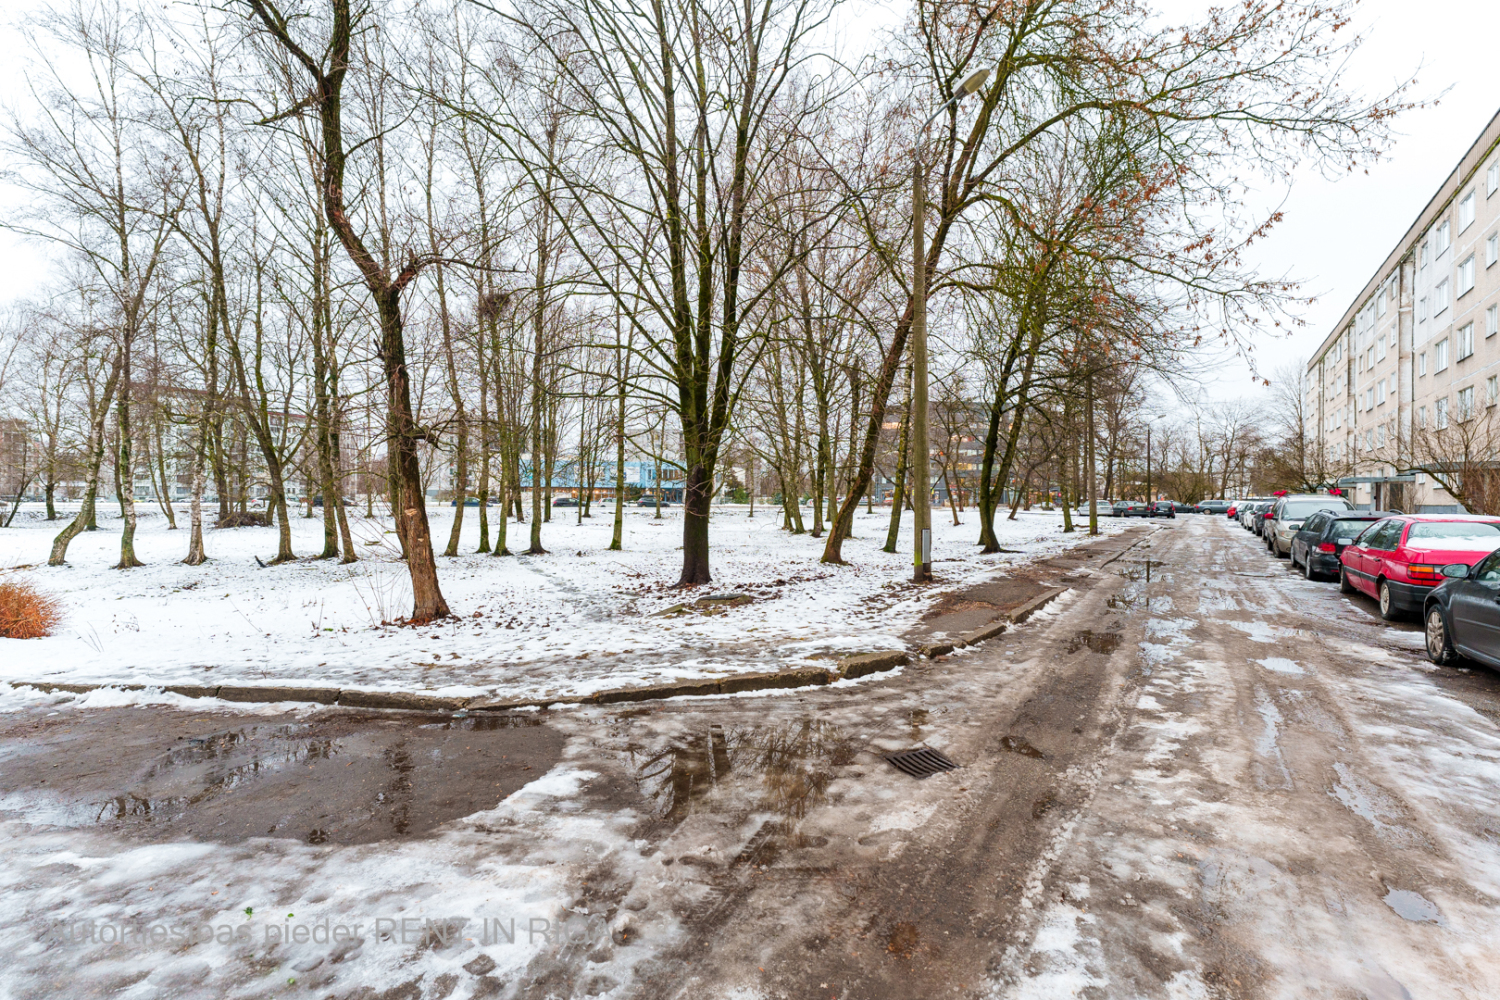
(921, 480)
(1150, 497)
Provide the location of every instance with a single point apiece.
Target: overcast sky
(1335, 232)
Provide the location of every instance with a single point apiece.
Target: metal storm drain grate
(923, 763)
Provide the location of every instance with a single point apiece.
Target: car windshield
(1481, 535)
(1295, 510)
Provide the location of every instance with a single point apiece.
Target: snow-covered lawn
(578, 619)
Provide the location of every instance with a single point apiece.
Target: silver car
(1285, 520)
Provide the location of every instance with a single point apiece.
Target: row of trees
(498, 234)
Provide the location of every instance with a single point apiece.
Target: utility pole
(921, 482)
(921, 493)
(1088, 449)
(1149, 496)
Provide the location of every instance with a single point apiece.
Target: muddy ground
(1194, 775)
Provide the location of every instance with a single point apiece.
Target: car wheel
(1276, 549)
(1307, 569)
(1388, 609)
(1345, 585)
(1439, 638)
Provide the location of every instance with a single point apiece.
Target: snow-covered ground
(578, 619)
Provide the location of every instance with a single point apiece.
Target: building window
(1492, 249)
(1440, 297)
(1370, 398)
(1444, 238)
(1380, 436)
(1440, 355)
(1492, 179)
(1465, 403)
(1380, 350)
(1422, 309)
(1394, 329)
(1466, 212)
(1422, 363)
(1441, 411)
(1492, 390)
(1466, 275)
(1380, 303)
(1465, 341)
(1492, 321)
(1421, 416)
(1423, 256)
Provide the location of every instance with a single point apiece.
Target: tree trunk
(126, 469)
(195, 554)
(899, 485)
(696, 496)
(85, 516)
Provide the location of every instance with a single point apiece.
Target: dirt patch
(977, 606)
(328, 777)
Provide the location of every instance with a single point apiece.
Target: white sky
(1334, 233)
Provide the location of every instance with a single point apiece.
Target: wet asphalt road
(1195, 776)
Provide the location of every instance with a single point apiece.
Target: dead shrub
(245, 519)
(25, 612)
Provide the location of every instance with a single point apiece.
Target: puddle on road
(784, 770)
(1140, 569)
(917, 719)
(343, 778)
(1022, 746)
(1413, 906)
(1099, 642)
(486, 722)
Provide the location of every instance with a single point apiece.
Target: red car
(1398, 560)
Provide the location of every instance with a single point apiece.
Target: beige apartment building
(1415, 360)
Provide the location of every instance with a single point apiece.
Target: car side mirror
(1345, 541)
(1456, 571)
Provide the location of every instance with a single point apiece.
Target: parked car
(1316, 547)
(1130, 508)
(1163, 508)
(1248, 507)
(1185, 508)
(1258, 519)
(565, 502)
(649, 501)
(1289, 513)
(1462, 614)
(468, 502)
(1215, 506)
(1399, 560)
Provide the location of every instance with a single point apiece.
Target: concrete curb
(864, 664)
(1034, 605)
(411, 701)
(849, 668)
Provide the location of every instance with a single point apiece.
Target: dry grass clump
(25, 612)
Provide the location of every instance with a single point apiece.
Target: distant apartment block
(1416, 357)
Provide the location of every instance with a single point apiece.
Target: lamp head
(973, 82)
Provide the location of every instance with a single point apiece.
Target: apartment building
(1416, 356)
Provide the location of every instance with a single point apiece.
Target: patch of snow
(577, 620)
